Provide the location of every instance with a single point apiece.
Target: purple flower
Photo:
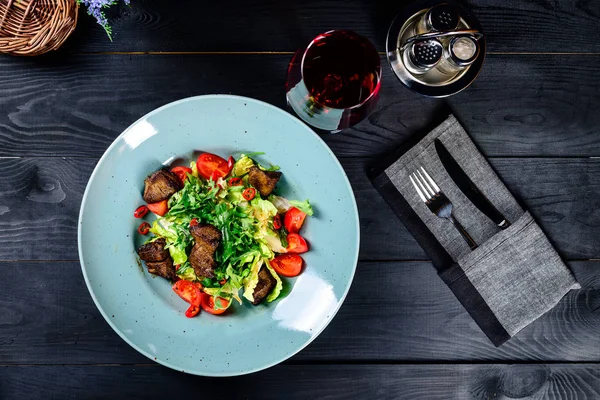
(96, 9)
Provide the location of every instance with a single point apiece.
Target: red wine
(334, 82)
(341, 69)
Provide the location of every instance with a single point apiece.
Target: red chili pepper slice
(249, 193)
(194, 222)
(192, 311)
(140, 212)
(236, 182)
(144, 228)
(223, 281)
(277, 222)
(230, 162)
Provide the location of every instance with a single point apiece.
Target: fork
(437, 202)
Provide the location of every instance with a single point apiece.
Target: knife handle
(504, 224)
(463, 233)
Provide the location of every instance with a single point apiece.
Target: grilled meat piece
(160, 186)
(163, 268)
(263, 181)
(153, 251)
(265, 284)
(157, 258)
(202, 256)
(202, 259)
(208, 234)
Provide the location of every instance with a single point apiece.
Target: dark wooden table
(534, 111)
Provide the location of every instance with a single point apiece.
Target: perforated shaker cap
(443, 17)
(426, 53)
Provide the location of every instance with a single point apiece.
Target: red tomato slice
(188, 291)
(159, 208)
(181, 173)
(296, 244)
(208, 304)
(289, 265)
(210, 165)
(293, 220)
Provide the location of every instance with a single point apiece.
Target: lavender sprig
(96, 9)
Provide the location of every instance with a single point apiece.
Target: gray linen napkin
(515, 275)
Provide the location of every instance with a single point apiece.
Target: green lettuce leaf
(242, 166)
(177, 254)
(263, 210)
(186, 272)
(234, 195)
(278, 286)
(164, 228)
(272, 240)
(252, 279)
(194, 169)
(270, 168)
(303, 206)
(281, 203)
(227, 291)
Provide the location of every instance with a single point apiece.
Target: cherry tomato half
(277, 222)
(289, 265)
(210, 165)
(159, 208)
(188, 291)
(249, 193)
(296, 244)
(208, 304)
(144, 228)
(293, 220)
(181, 173)
(140, 212)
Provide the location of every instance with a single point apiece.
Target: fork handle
(463, 232)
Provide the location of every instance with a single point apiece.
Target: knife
(466, 185)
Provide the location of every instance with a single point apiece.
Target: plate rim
(158, 359)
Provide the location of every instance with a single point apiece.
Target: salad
(221, 233)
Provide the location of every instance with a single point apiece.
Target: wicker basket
(34, 27)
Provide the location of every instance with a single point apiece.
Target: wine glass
(334, 82)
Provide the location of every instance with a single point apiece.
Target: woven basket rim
(34, 27)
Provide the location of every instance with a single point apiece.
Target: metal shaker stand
(433, 84)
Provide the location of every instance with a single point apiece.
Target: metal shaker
(436, 48)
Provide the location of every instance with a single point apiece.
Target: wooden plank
(536, 105)
(398, 382)
(39, 206)
(40, 199)
(395, 312)
(253, 25)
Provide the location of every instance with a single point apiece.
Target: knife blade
(466, 185)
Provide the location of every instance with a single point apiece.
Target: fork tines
(424, 185)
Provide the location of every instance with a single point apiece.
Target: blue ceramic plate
(144, 310)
